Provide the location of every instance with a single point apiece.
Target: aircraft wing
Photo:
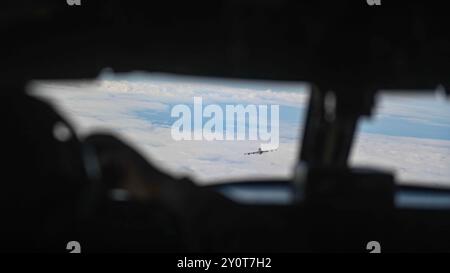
(260, 152)
(251, 153)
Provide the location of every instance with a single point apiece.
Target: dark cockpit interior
(100, 191)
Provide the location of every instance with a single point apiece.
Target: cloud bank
(139, 112)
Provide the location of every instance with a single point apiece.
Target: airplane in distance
(260, 151)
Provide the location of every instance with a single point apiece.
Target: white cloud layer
(425, 109)
(412, 159)
(111, 105)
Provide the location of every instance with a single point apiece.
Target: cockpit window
(213, 130)
(216, 130)
(408, 134)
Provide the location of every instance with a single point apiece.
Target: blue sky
(418, 116)
(291, 118)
